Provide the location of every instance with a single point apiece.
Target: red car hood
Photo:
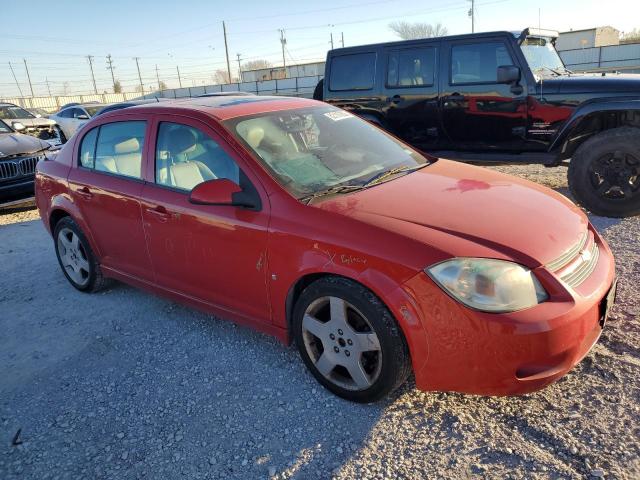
(447, 202)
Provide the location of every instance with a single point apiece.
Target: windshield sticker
(337, 115)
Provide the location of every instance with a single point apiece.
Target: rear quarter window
(353, 72)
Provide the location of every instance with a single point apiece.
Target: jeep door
(411, 89)
(478, 113)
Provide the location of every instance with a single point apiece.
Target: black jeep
(500, 97)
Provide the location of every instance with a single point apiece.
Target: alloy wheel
(73, 256)
(342, 343)
(616, 175)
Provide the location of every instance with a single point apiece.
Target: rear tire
(349, 340)
(61, 135)
(604, 173)
(76, 259)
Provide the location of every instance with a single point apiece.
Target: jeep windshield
(542, 57)
(317, 151)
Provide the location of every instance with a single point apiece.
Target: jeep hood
(12, 144)
(464, 210)
(608, 85)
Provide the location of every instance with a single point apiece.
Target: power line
(139, 76)
(14, 77)
(111, 67)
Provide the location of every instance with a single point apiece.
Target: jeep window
(478, 62)
(11, 112)
(309, 150)
(541, 56)
(411, 67)
(352, 72)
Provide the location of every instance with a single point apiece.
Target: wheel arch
(401, 305)
(594, 117)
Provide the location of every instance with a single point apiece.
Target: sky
(55, 41)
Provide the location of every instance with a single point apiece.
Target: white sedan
(74, 116)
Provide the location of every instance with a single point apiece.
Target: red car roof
(226, 107)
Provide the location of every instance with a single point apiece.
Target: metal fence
(623, 58)
(295, 87)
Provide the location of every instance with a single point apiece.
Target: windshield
(314, 149)
(4, 128)
(542, 56)
(11, 112)
(93, 110)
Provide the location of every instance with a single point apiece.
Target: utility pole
(342, 38)
(139, 76)
(14, 77)
(226, 49)
(239, 69)
(179, 79)
(472, 14)
(93, 78)
(28, 76)
(111, 67)
(48, 87)
(283, 41)
(331, 40)
(158, 78)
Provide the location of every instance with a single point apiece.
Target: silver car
(25, 122)
(74, 116)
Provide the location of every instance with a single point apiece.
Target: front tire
(76, 259)
(604, 173)
(349, 340)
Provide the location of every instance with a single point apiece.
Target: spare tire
(318, 92)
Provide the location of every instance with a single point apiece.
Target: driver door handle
(395, 99)
(85, 193)
(454, 97)
(159, 212)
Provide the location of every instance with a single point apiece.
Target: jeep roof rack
(538, 32)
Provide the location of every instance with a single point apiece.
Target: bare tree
(256, 65)
(117, 87)
(162, 85)
(630, 37)
(408, 30)
(221, 77)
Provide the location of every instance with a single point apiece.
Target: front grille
(569, 255)
(579, 274)
(17, 167)
(28, 165)
(8, 170)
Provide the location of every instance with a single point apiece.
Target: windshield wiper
(379, 177)
(331, 191)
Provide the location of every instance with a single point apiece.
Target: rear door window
(119, 148)
(353, 72)
(411, 67)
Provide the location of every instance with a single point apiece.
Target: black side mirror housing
(508, 74)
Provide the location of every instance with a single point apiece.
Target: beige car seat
(182, 172)
(126, 159)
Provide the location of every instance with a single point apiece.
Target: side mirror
(221, 191)
(18, 126)
(38, 115)
(83, 117)
(509, 74)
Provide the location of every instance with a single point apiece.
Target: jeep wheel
(604, 173)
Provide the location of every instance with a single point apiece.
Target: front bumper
(16, 189)
(515, 353)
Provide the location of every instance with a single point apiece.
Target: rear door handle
(160, 213)
(85, 193)
(396, 99)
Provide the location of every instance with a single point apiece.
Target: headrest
(181, 140)
(255, 136)
(128, 146)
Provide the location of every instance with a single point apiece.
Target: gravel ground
(123, 384)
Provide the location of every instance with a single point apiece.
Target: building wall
(614, 58)
(292, 71)
(594, 37)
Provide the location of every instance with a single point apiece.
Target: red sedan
(307, 223)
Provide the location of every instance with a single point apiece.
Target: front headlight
(487, 284)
